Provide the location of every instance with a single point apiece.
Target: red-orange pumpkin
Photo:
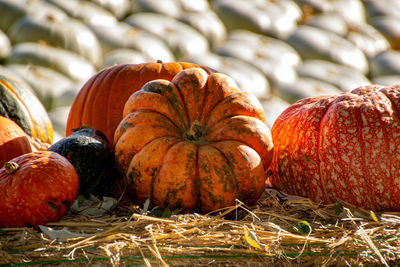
(341, 147)
(196, 143)
(101, 100)
(13, 141)
(36, 188)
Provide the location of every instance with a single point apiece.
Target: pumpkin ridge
(236, 181)
(364, 156)
(323, 178)
(376, 101)
(396, 110)
(72, 118)
(203, 102)
(111, 100)
(290, 155)
(109, 78)
(174, 104)
(212, 109)
(83, 107)
(153, 179)
(178, 129)
(197, 182)
(32, 130)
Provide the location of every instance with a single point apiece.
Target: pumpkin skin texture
(341, 147)
(20, 105)
(101, 100)
(196, 142)
(40, 190)
(92, 155)
(13, 140)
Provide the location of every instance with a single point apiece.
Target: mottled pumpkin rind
(40, 191)
(20, 105)
(202, 158)
(341, 147)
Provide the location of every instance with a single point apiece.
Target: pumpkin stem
(159, 61)
(195, 132)
(11, 167)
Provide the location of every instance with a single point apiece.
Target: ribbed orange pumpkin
(36, 188)
(341, 147)
(20, 105)
(101, 100)
(13, 141)
(196, 143)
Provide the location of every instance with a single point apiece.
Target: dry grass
(277, 234)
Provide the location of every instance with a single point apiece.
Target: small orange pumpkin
(36, 188)
(196, 143)
(13, 141)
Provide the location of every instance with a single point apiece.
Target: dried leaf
(59, 235)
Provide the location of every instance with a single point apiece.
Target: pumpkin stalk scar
(11, 167)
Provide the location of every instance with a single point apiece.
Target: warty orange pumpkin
(196, 142)
(36, 188)
(101, 100)
(341, 147)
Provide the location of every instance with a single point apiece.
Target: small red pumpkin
(341, 147)
(36, 188)
(196, 143)
(101, 100)
(13, 140)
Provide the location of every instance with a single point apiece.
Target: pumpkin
(341, 147)
(101, 100)
(182, 39)
(68, 63)
(20, 105)
(13, 140)
(315, 43)
(91, 154)
(57, 31)
(36, 188)
(273, 57)
(48, 85)
(196, 143)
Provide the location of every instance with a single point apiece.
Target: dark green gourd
(91, 154)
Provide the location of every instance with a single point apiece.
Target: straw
(273, 232)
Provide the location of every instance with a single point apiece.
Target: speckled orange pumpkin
(196, 143)
(341, 147)
(36, 188)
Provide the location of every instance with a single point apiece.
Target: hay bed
(340, 235)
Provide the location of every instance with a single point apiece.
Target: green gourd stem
(195, 132)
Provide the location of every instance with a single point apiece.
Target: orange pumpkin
(341, 147)
(101, 100)
(13, 141)
(196, 142)
(36, 188)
